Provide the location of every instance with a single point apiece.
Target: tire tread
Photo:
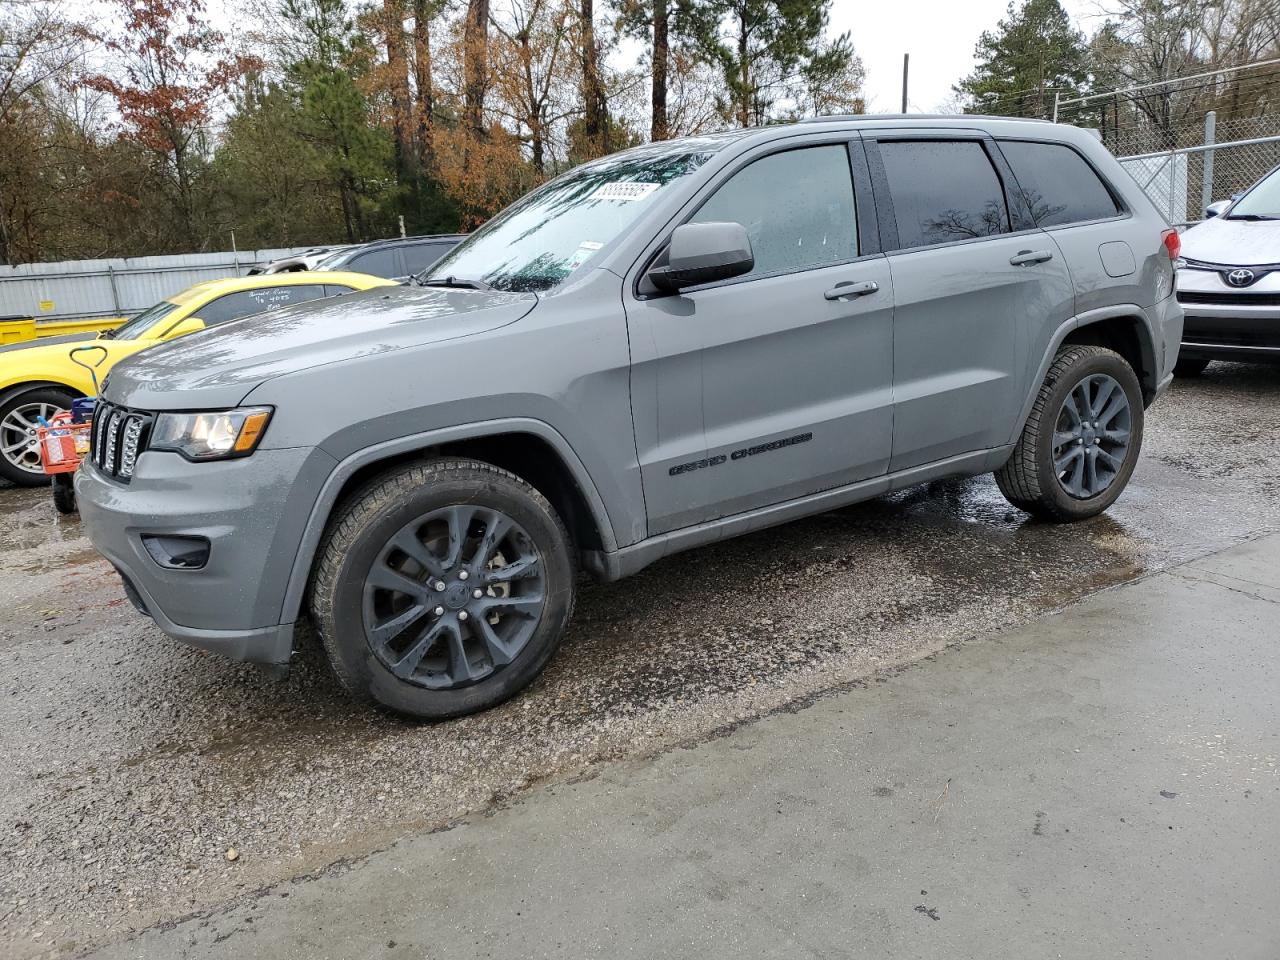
(1019, 478)
(349, 520)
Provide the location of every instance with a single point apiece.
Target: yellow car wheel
(19, 446)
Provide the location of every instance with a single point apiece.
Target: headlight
(211, 436)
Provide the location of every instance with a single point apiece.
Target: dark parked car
(397, 259)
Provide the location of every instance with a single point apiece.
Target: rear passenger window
(233, 306)
(943, 190)
(379, 263)
(1059, 185)
(797, 207)
(420, 256)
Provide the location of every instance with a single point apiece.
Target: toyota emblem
(1240, 278)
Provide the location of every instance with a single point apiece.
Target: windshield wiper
(464, 283)
(1251, 216)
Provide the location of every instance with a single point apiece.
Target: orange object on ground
(63, 444)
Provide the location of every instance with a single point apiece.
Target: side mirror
(1215, 209)
(703, 253)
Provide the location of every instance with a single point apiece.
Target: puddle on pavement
(28, 520)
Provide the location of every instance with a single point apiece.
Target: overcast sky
(940, 36)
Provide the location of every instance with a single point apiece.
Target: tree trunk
(744, 75)
(476, 64)
(659, 129)
(595, 117)
(425, 84)
(537, 128)
(393, 15)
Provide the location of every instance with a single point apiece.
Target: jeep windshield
(539, 240)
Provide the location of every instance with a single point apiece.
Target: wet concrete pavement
(131, 764)
(1102, 783)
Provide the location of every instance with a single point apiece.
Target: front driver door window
(761, 389)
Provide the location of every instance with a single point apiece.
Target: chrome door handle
(849, 288)
(1024, 258)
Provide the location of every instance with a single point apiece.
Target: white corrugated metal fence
(116, 287)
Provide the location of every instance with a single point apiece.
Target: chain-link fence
(1188, 141)
(1181, 182)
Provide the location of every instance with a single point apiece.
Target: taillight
(1172, 243)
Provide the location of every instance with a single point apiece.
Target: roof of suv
(714, 142)
(393, 241)
(846, 117)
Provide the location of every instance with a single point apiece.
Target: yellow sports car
(38, 379)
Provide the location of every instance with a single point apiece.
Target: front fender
(327, 496)
(13, 389)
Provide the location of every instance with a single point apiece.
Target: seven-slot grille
(119, 435)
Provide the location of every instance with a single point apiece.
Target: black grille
(118, 436)
(1231, 299)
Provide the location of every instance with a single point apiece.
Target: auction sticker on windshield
(623, 190)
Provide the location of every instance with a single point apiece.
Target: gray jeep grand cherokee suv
(675, 344)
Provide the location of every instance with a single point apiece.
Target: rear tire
(19, 453)
(393, 594)
(64, 493)
(1190, 367)
(1073, 465)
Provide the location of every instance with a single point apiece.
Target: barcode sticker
(623, 190)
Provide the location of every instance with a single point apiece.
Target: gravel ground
(131, 765)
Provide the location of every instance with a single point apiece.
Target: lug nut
(463, 575)
(462, 614)
(439, 611)
(477, 593)
(439, 584)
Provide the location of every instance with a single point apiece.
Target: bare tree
(531, 73)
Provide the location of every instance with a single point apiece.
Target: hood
(47, 341)
(1243, 243)
(218, 367)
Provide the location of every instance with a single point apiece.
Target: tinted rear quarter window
(419, 256)
(1058, 183)
(379, 263)
(233, 306)
(797, 207)
(943, 190)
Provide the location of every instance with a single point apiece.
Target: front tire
(442, 588)
(19, 450)
(1081, 443)
(64, 493)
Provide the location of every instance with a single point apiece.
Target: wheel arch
(14, 389)
(531, 449)
(1124, 328)
(1129, 334)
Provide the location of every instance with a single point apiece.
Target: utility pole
(906, 61)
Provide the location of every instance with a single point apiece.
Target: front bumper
(246, 509)
(1229, 323)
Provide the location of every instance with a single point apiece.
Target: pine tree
(1033, 51)
(766, 49)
